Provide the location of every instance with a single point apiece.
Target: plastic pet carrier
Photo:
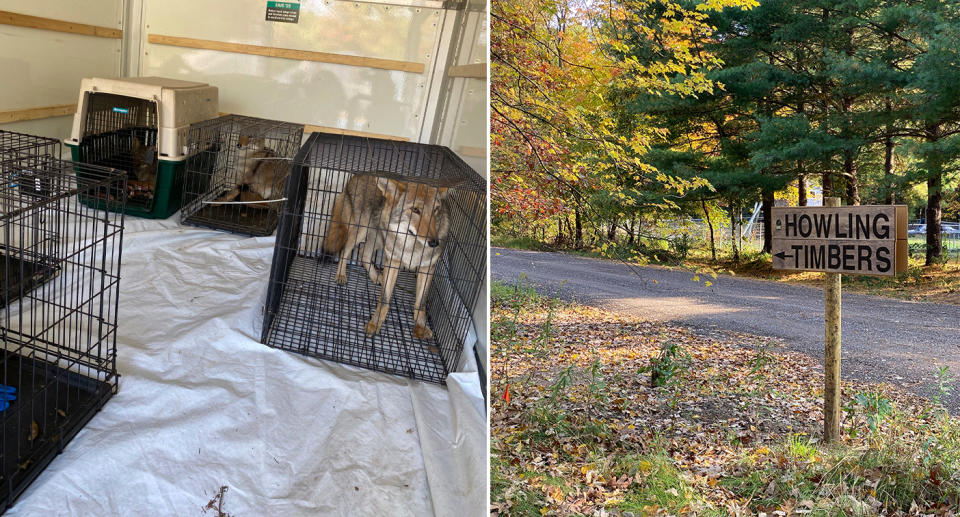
(140, 125)
(60, 265)
(380, 256)
(237, 173)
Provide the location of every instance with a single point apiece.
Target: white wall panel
(44, 68)
(461, 119)
(350, 97)
(105, 13)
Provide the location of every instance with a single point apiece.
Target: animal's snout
(433, 243)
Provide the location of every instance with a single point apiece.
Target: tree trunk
(713, 243)
(734, 233)
(850, 172)
(633, 228)
(891, 196)
(801, 174)
(612, 231)
(801, 185)
(934, 199)
(578, 227)
(767, 211)
(827, 185)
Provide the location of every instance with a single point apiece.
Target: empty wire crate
(60, 266)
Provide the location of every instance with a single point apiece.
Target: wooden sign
(861, 240)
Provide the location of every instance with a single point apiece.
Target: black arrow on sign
(782, 255)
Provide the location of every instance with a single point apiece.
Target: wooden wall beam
(286, 53)
(473, 152)
(474, 71)
(50, 24)
(19, 115)
(310, 128)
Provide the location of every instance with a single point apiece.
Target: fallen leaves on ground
(577, 428)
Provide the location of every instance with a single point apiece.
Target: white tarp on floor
(203, 405)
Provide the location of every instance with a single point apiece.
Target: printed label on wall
(287, 12)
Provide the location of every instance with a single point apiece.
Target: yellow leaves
(555, 494)
(644, 467)
(719, 5)
(708, 283)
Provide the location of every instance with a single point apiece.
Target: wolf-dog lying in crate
(409, 221)
(263, 175)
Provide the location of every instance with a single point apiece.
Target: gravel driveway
(888, 340)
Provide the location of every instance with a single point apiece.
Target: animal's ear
(389, 186)
(443, 192)
(137, 146)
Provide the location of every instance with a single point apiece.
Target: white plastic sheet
(203, 405)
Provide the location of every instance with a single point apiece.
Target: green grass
(520, 292)
(519, 243)
(563, 438)
(661, 487)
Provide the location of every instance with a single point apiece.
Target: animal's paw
(372, 328)
(341, 278)
(375, 276)
(422, 332)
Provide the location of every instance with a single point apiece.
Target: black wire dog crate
(60, 265)
(237, 172)
(418, 215)
(23, 146)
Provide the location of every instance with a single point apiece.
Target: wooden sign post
(860, 240)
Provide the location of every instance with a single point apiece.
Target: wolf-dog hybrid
(264, 172)
(144, 161)
(409, 221)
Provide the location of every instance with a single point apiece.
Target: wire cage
(60, 265)
(379, 257)
(237, 172)
(19, 145)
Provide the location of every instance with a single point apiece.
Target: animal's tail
(337, 231)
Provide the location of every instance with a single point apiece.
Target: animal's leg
(369, 247)
(420, 329)
(386, 293)
(353, 237)
(230, 196)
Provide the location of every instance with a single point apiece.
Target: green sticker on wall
(286, 12)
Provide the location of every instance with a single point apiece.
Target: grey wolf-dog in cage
(237, 172)
(60, 265)
(380, 256)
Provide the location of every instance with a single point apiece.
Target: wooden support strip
(49, 24)
(286, 53)
(19, 115)
(474, 71)
(473, 152)
(310, 128)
